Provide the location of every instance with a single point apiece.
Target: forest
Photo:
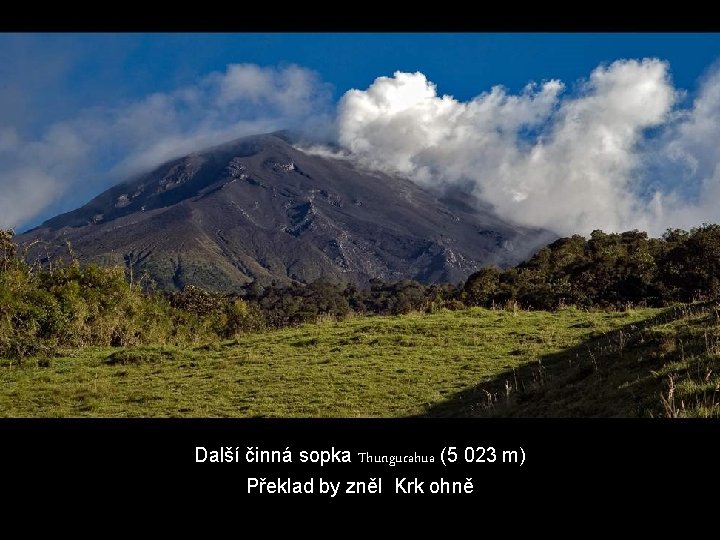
(59, 304)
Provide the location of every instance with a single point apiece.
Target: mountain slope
(435, 365)
(259, 209)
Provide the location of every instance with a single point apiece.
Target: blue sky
(59, 74)
(50, 80)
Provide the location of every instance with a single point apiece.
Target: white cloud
(292, 90)
(686, 160)
(568, 164)
(25, 192)
(618, 151)
(101, 146)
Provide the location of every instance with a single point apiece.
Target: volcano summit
(259, 208)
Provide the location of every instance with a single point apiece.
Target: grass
(445, 363)
(667, 365)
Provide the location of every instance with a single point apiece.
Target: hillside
(468, 362)
(80, 340)
(666, 365)
(259, 208)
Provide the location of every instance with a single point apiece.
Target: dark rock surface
(259, 208)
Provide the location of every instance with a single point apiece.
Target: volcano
(261, 209)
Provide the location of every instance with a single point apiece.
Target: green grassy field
(470, 362)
